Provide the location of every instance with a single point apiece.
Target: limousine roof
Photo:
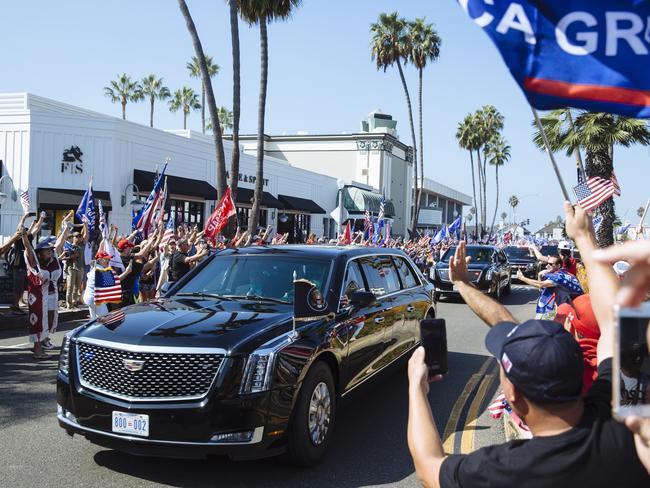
(316, 251)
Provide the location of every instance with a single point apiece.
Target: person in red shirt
(569, 264)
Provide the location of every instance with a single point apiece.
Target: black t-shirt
(598, 452)
(178, 267)
(128, 283)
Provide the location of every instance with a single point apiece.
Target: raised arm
(488, 310)
(535, 283)
(63, 236)
(29, 251)
(538, 255)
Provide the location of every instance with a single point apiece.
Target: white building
(440, 205)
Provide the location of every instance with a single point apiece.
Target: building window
(244, 215)
(186, 212)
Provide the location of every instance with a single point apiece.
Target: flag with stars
(24, 201)
(596, 190)
(108, 288)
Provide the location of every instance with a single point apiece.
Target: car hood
(522, 260)
(190, 322)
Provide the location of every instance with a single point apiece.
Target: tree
(504, 216)
(424, 47)
(597, 134)
(124, 90)
(639, 211)
(467, 140)
(236, 96)
(513, 201)
(390, 45)
(225, 119)
(497, 153)
(153, 88)
(194, 68)
(262, 12)
(489, 123)
(186, 100)
(209, 95)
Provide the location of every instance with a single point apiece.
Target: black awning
(300, 204)
(245, 195)
(61, 199)
(178, 185)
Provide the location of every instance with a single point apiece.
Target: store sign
(71, 161)
(244, 178)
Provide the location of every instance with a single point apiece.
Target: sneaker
(47, 345)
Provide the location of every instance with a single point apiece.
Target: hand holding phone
(433, 334)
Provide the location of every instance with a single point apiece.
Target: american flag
(169, 233)
(595, 191)
(24, 200)
(144, 220)
(366, 221)
(108, 288)
(113, 318)
(103, 228)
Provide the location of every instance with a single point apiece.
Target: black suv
(214, 367)
(521, 258)
(489, 270)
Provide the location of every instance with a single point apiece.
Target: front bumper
(179, 430)
(447, 288)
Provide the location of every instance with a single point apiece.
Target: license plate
(454, 288)
(131, 423)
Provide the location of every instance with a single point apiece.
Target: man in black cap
(575, 440)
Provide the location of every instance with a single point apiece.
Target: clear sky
(321, 79)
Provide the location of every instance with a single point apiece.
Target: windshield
(517, 252)
(548, 250)
(478, 254)
(259, 276)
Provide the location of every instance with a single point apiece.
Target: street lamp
(136, 203)
(3, 195)
(340, 184)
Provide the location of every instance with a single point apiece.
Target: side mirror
(362, 299)
(165, 288)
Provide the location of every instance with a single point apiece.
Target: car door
(413, 304)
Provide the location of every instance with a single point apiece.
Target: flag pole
(550, 154)
(645, 211)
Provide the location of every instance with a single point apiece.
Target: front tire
(313, 419)
(436, 296)
(508, 289)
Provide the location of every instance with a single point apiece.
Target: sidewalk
(13, 321)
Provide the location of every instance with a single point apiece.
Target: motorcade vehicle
(214, 366)
(489, 270)
(522, 258)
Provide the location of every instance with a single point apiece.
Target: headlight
(258, 373)
(488, 275)
(64, 358)
(530, 266)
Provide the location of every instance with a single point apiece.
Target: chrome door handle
(379, 320)
(410, 308)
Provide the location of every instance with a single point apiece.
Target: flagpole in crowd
(645, 212)
(550, 153)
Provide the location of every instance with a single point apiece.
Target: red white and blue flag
(144, 219)
(596, 190)
(168, 235)
(108, 288)
(24, 201)
(113, 318)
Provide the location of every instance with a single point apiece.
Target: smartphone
(31, 214)
(631, 363)
(433, 334)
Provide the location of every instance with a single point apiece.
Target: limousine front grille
(142, 376)
(474, 275)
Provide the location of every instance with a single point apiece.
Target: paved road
(369, 448)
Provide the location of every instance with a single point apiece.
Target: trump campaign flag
(588, 54)
(219, 218)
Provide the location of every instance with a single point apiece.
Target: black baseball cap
(540, 358)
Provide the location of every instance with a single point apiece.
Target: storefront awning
(178, 185)
(300, 204)
(245, 195)
(357, 201)
(61, 199)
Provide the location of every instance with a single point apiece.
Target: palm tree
(184, 99)
(490, 123)
(233, 6)
(424, 43)
(194, 68)
(390, 45)
(153, 88)
(497, 153)
(504, 216)
(124, 90)
(639, 211)
(466, 138)
(261, 12)
(597, 134)
(225, 118)
(513, 201)
(209, 95)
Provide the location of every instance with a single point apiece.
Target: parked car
(214, 367)
(522, 258)
(489, 271)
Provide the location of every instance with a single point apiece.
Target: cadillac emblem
(132, 364)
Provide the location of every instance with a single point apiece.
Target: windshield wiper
(203, 295)
(257, 297)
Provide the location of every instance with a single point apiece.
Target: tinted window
(478, 254)
(381, 275)
(406, 273)
(517, 252)
(353, 279)
(257, 275)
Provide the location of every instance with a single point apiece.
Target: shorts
(19, 280)
(52, 302)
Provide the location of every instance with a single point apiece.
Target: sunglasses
(552, 264)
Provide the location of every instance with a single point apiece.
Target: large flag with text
(219, 218)
(588, 54)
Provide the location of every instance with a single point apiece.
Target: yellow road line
(452, 424)
(468, 435)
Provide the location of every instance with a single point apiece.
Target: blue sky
(322, 79)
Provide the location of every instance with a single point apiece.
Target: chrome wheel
(319, 413)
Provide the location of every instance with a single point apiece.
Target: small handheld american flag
(596, 190)
(168, 234)
(24, 200)
(108, 288)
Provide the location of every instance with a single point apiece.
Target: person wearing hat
(134, 258)
(575, 440)
(76, 267)
(44, 271)
(102, 261)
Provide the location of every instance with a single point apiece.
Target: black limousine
(214, 367)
